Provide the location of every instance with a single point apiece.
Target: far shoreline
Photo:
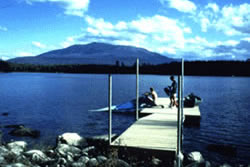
(192, 68)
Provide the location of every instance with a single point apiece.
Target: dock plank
(156, 131)
(165, 101)
(194, 111)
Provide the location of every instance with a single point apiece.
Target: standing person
(172, 95)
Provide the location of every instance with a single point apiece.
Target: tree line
(199, 68)
(4, 66)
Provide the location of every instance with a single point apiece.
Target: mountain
(95, 53)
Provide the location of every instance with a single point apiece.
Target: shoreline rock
(22, 131)
(13, 126)
(5, 114)
(73, 152)
(17, 147)
(72, 139)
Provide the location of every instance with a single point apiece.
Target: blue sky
(189, 29)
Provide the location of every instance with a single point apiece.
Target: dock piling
(160, 129)
(110, 109)
(179, 123)
(180, 114)
(137, 89)
(182, 98)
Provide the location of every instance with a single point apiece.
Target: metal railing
(137, 90)
(180, 114)
(110, 100)
(180, 108)
(110, 109)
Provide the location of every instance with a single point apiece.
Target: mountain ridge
(95, 53)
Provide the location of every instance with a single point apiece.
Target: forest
(198, 68)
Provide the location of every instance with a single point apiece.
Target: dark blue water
(58, 103)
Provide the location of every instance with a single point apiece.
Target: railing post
(110, 109)
(137, 89)
(180, 115)
(182, 99)
(179, 123)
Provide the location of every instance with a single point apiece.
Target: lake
(58, 103)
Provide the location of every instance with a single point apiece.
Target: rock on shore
(21, 130)
(72, 139)
(73, 150)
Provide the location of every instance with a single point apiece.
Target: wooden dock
(157, 130)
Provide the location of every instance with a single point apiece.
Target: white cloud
(187, 30)
(204, 24)
(24, 54)
(100, 27)
(167, 50)
(157, 24)
(121, 25)
(197, 45)
(153, 33)
(38, 44)
(231, 43)
(199, 48)
(213, 6)
(165, 35)
(231, 19)
(239, 51)
(99, 23)
(65, 44)
(4, 58)
(3, 28)
(72, 7)
(246, 39)
(68, 42)
(185, 6)
(238, 17)
(197, 40)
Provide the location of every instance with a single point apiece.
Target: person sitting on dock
(151, 100)
(172, 93)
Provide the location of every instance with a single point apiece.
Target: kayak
(129, 106)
